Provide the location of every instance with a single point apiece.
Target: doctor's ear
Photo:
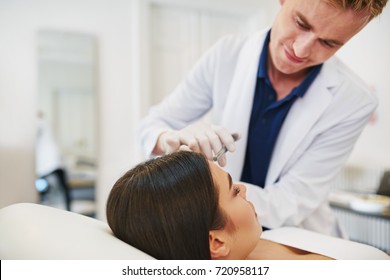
(282, 2)
(219, 248)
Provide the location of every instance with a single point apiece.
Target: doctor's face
(240, 212)
(308, 32)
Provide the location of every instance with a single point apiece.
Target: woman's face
(241, 213)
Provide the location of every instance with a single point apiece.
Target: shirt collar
(262, 71)
(305, 84)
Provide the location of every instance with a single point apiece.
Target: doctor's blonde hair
(373, 7)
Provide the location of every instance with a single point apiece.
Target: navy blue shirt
(266, 120)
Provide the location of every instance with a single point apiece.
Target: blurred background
(80, 74)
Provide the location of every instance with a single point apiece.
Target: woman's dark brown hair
(166, 207)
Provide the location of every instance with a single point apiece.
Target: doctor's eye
(327, 44)
(301, 24)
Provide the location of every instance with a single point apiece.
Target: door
(178, 36)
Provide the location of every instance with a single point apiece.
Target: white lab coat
(316, 138)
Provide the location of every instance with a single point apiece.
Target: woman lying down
(181, 206)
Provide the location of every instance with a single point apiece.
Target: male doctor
(297, 108)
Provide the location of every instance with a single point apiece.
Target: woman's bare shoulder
(269, 250)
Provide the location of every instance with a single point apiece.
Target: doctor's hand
(198, 137)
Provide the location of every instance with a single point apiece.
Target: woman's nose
(243, 190)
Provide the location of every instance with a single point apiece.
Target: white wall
(111, 21)
(17, 101)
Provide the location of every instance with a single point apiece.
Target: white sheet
(336, 248)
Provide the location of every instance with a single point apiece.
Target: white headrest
(32, 231)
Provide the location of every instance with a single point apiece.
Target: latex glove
(198, 137)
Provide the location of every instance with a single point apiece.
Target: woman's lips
(292, 57)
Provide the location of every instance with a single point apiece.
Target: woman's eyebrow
(230, 181)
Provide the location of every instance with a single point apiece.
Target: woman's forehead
(220, 176)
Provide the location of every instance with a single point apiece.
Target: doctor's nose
(303, 45)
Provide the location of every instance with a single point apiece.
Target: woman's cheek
(244, 216)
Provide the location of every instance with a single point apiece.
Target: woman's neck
(269, 250)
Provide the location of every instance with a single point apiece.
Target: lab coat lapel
(300, 120)
(238, 107)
